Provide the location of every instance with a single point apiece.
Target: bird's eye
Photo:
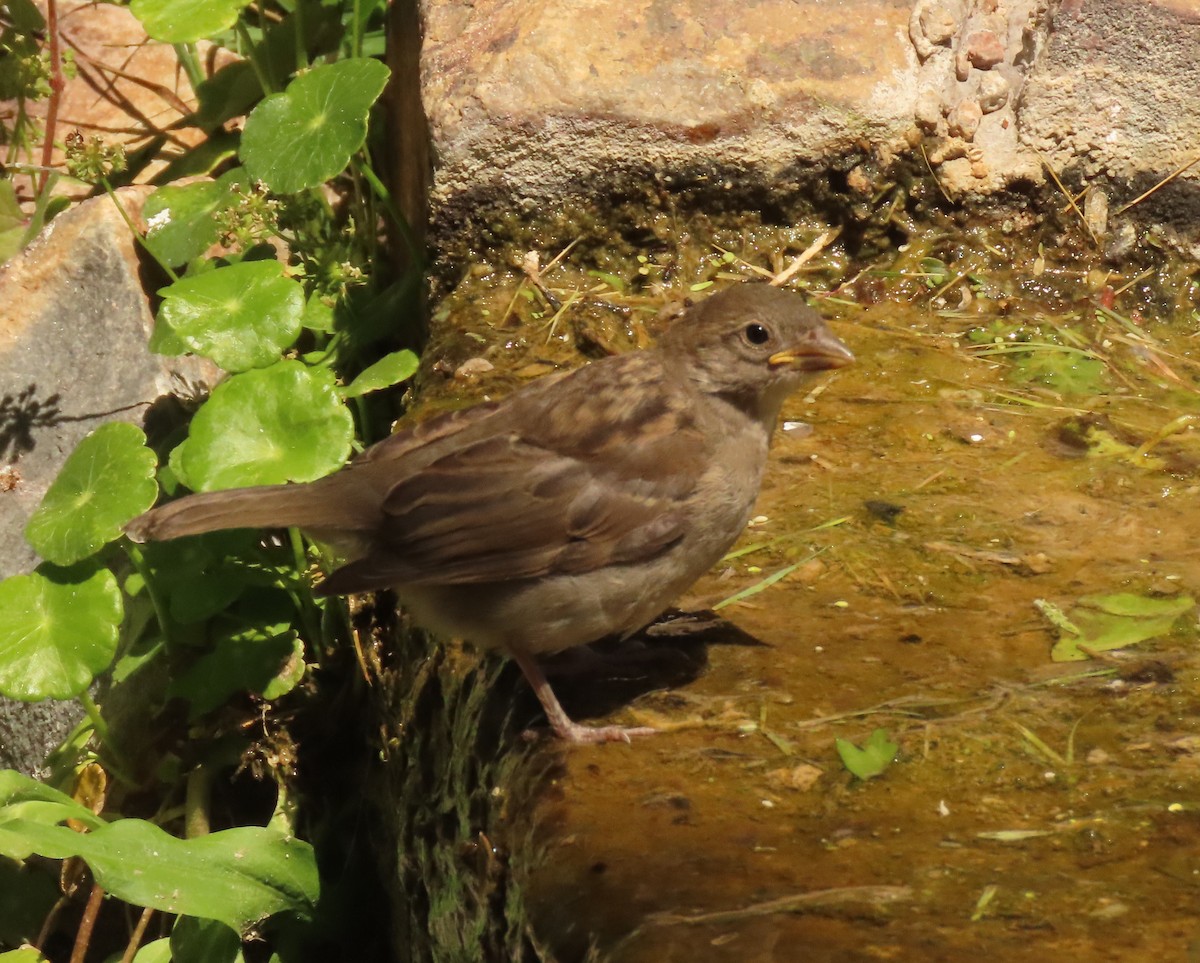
(756, 333)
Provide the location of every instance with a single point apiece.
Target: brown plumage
(577, 508)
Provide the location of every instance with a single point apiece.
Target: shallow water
(1035, 807)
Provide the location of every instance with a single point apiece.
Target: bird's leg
(563, 726)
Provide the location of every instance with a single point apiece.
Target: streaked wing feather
(535, 501)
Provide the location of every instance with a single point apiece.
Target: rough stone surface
(1113, 99)
(532, 105)
(74, 321)
(537, 100)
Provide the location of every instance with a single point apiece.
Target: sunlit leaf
(12, 221)
(185, 21)
(872, 759)
(387, 371)
(180, 218)
(241, 315)
(26, 799)
(1100, 623)
(59, 630)
(156, 951)
(24, 955)
(268, 426)
(107, 480)
(237, 876)
(204, 941)
(305, 135)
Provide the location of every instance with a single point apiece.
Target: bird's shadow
(598, 679)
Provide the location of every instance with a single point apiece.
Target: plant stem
(303, 600)
(185, 53)
(135, 938)
(57, 83)
(93, 713)
(137, 235)
(402, 225)
(160, 611)
(198, 790)
(298, 35)
(83, 936)
(112, 759)
(264, 80)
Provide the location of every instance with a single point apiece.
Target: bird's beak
(818, 351)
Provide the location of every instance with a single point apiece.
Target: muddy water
(1035, 808)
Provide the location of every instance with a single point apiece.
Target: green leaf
(1100, 623)
(302, 137)
(237, 876)
(27, 895)
(267, 660)
(59, 630)
(872, 759)
(204, 941)
(156, 951)
(199, 577)
(318, 315)
(1069, 372)
(273, 425)
(185, 21)
(107, 480)
(242, 315)
(25, 16)
(22, 797)
(387, 371)
(180, 219)
(12, 221)
(25, 955)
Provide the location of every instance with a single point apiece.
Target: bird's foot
(564, 727)
(595, 735)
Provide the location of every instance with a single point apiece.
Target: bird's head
(753, 345)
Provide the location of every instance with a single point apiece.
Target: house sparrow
(577, 508)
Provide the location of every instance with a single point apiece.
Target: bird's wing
(565, 485)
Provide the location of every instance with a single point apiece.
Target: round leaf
(180, 221)
(302, 137)
(242, 316)
(264, 427)
(59, 630)
(107, 480)
(185, 21)
(266, 660)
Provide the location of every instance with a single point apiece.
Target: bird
(577, 508)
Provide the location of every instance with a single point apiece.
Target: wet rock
(1095, 211)
(473, 368)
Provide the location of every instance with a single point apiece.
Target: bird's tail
(306, 506)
